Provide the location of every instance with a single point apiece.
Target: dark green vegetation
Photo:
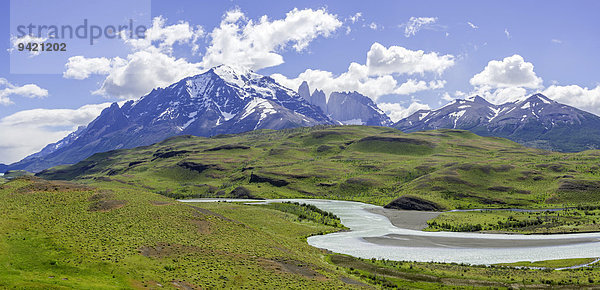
(539, 222)
(308, 212)
(58, 234)
(445, 169)
(405, 275)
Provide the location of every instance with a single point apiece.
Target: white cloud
(501, 95)
(257, 45)
(506, 80)
(29, 91)
(397, 59)
(237, 40)
(507, 33)
(397, 112)
(557, 41)
(415, 24)
(512, 71)
(576, 96)
(150, 64)
(356, 17)
(143, 71)
(376, 77)
(472, 25)
(167, 35)
(355, 78)
(79, 67)
(373, 26)
(28, 131)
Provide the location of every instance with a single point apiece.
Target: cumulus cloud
(29, 91)
(79, 67)
(512, 71)
(397, 59)
(398, 112)
(376, 77)
(501, 95)
(150, 64)
(237, 40)
(415, 24)
(576, 96)
(257, 45)
(143, 71)
(28, 131)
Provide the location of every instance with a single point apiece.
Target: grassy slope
(411, 275)
(55, 235)
(545, 222)
(453, 168)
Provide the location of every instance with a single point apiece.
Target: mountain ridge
(535, 121)
(222, 100)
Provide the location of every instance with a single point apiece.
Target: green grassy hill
(56, 235)
(450, 168)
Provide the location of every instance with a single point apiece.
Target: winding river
(372, 235)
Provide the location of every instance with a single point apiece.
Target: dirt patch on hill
(227, 147)
(160, 203)
(168, 154)
(41, 185)
(398, 140)
(273, 181)
(413, 203)
(203, 226)
(291, 266)
(161, 250)
(242, 192)
(323, 134)
(198, 167)
(579, 185)
(106, 205)
(184, 285)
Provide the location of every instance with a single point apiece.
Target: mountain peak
(234, 74)
(538, 98)
(477, 99)
(304, 91)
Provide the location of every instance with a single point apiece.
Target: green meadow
(112, 221)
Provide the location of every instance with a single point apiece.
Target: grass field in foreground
(56, 235)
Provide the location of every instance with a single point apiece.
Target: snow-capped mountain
(535, 121)
(223, 100)
(349, 108)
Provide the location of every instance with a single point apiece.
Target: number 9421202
(42, 46)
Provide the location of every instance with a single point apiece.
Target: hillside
(446, 169)
(57, 235)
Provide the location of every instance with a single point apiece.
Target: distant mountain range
(229, 99)
(536, 122)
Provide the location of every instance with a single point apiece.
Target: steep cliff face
(350, 108)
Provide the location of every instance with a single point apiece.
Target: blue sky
(547, 46)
